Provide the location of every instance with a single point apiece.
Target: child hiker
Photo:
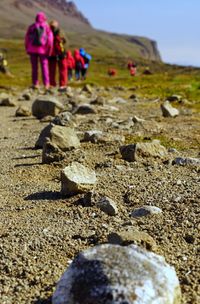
(58, 57)
(70, 65)
(87, 58)
(38, 44)
(79, 64)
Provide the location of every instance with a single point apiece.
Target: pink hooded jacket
(46, 47)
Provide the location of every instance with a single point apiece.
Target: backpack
(87, 58)
(38, 35)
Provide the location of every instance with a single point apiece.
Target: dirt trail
(41, 232)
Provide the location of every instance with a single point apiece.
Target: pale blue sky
(174, 24)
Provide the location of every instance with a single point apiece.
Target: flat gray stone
(186, 161)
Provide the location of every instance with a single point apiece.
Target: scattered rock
(93, 136)
(51, 153)
(77, 178)
(43, 135)
(146, 210)
(168, 110)
(175, 98)
(100, 101)
(84, 109)
(45, 105)
(137, 119)
(64, 119)
(118, 100)
(186, 161)
(22, 111)
(113, 274)
(132, 236)
(6, 100)
(134, 152)
(87, 88)
(108, 206)
(64, 138)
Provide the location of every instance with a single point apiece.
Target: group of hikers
(45, 43)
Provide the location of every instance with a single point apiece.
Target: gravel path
(41, 232)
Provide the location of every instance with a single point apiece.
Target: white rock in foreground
(77, 178)
(114, 274)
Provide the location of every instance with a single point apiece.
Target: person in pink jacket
(39, 44)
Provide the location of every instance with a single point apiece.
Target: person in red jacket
(70, 64)
(58, 57)
(132, 68)
(79, 64)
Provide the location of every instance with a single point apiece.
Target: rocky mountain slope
(16, 15)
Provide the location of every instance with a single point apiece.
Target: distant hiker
(58, 57)
(39, 43)
(147, 71)
(79, 64)
(132, 68)
(87, 58)
(70, 65)
(112, 72)
(4, 65)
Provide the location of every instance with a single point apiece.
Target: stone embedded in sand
(44, 106)
(132, 235)
(134, 152)
(77, 178)
(168, 110)
(87, 88)
(186, 161)
(113, 274)
(107, 205)
(137, 119)
(145, 211)
(22, 111)
(93, 136)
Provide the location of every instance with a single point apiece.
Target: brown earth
(41, 231)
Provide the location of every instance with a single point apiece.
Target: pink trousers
(35, 58)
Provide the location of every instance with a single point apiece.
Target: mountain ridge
(16, 15)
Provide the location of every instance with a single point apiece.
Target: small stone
(134, 152)
(87, 88)
(168, 110)
(132, 236)
(77, 178)
(100, 101)
(92, 136)
(186, 161)
(108, 206)
(22, 111)
(6, 100)
(84, 109)
(145, 211)
(51, 153)
(174, 98)
(63, 119)
(137, 119)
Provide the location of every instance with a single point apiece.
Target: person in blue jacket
(87, 58)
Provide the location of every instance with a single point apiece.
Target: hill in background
(16, 15)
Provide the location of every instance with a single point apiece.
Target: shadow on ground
(45, 195)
